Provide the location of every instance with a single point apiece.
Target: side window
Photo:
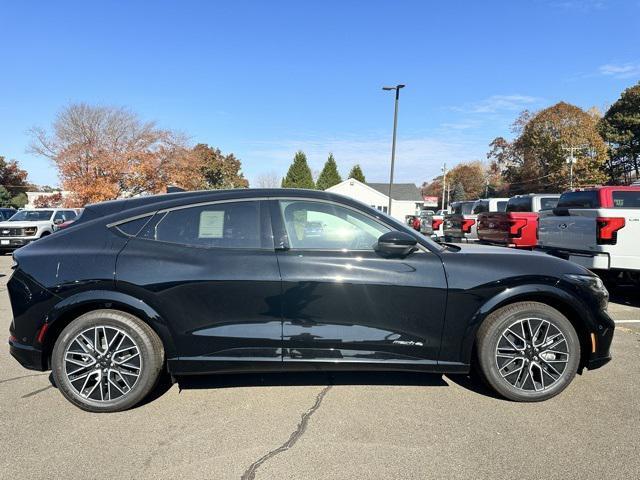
(59, 217)
(70, 214)
(327, 226)
(548, 203)
(221, 225)
(626, 199)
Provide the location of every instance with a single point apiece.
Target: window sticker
(211, 224)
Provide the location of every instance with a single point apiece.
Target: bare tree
(268, 180)
(104, 153)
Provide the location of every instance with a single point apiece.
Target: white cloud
(624, 70)
(418, 158)
(501, 103)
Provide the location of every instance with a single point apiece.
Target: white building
(32, 196)
(406, 197)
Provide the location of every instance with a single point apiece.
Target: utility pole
(570, 160)
(393, 145)
(444, 182)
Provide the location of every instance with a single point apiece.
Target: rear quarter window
(626, 199)
(548, 203)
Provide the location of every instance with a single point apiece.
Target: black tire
(150, 360)
(496, 352)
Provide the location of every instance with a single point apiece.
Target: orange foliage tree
(104, 153)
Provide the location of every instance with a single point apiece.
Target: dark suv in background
(290, 280)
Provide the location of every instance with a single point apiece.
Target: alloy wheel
(532, 354)
(102, 363)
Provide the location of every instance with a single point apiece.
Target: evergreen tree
(356, 173)
(299, 173)
(458, 193)
(329, 175)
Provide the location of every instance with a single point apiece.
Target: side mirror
(395, 244)
(58, 221)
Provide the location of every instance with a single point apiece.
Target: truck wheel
(107, 361)
(528, 351)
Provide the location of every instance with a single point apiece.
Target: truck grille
(11, 232)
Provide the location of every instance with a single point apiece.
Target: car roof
(139, 205)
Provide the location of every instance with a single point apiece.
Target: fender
(518, 293)
(115, 300)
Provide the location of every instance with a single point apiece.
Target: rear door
(212, 272)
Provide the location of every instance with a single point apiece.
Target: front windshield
(31, 216)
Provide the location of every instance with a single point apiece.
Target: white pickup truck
(28, 225)
(598, 228)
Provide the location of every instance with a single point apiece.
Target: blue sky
(264, 79)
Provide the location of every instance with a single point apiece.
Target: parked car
(68, 223)
(462, 225)
(517, 226)
(227, 281)
(7, 213)
(598, 228)
(26, 226)
(426, 227)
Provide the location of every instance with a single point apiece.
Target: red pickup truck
(517, 226)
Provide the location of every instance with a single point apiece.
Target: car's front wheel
(107, 361)
(528, 351)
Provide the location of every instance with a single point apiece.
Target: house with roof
(406, 198)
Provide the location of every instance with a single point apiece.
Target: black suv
(290, 280)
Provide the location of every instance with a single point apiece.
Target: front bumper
(600, 353)
(28, 356)
(14, 242)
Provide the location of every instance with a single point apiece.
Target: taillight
(435, 224)
(607, 229)
(467, 224)
(42, 332)
(516, 225)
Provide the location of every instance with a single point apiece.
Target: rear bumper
(28, 356)
(590, 260)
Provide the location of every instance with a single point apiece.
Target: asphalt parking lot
(330, 426)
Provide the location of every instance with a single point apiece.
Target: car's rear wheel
(528, 351)
(107, 361)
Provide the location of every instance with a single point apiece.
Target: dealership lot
(330, 426)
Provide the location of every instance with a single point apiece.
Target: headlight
(30, 231)
(592, 282)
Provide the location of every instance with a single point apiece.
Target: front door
(342, 301)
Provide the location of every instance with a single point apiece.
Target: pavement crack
(23, 376)
(250, 473)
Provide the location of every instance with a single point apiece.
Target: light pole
(570, 160)
(393, 145)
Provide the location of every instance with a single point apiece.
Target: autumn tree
(620, 128)
(299, 173)
(218, 170)
(329, 175)
(471, 176)
(14, 181)
(357, 174)
(536, 160)
(104, 153)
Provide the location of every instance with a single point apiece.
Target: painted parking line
(627, 321)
